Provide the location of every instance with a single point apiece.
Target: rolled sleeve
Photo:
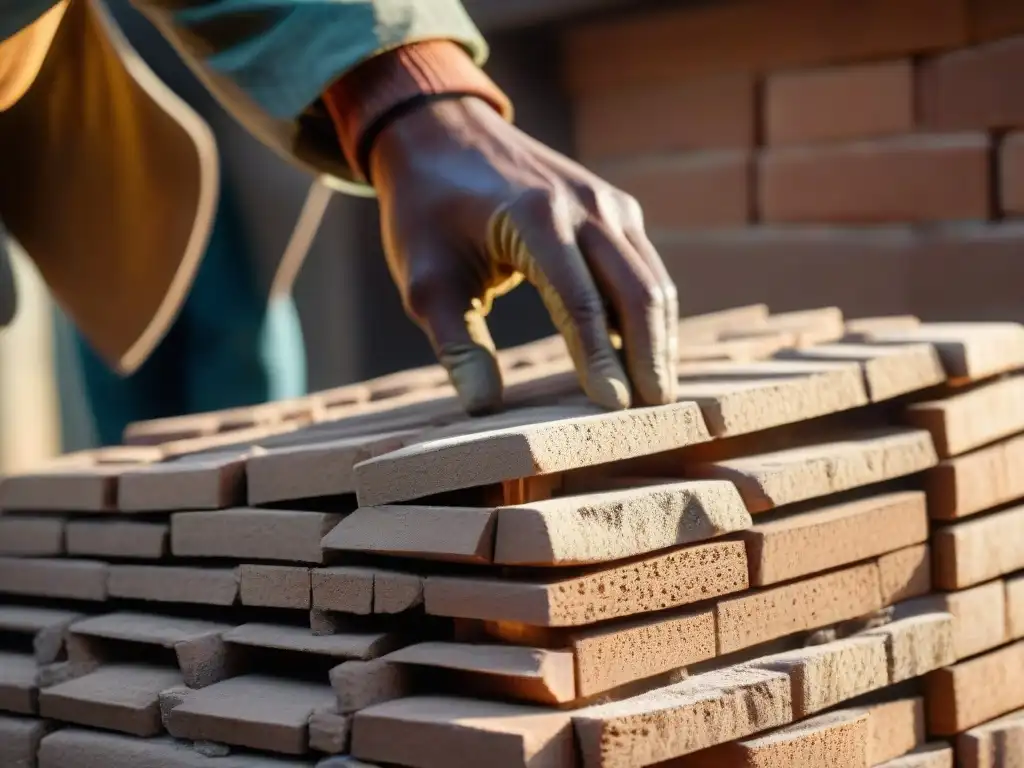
(283, 54)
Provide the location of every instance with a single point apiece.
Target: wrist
(386, 88)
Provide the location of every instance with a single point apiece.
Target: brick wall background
(805, 152)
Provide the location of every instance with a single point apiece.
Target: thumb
(454, 322)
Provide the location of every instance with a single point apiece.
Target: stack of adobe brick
(741, 578)
(868, 154)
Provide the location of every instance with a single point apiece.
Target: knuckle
(420, 291)
(631, 209)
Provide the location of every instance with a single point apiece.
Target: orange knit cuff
(362, 101)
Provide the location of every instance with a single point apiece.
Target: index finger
(537, 236)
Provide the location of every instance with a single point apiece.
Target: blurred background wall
(799, 152)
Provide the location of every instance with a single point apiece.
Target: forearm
(285, 53)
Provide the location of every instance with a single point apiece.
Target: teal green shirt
(284, 53)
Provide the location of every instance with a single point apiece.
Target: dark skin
(470, 206)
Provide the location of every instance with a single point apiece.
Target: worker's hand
(470, 206)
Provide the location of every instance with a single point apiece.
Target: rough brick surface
(702, 190)
(976, 481)
(31, 536)
(972, 692)
(837, 739)
(978, 549)
(1015, 607)
(714, 112)
(894, 729)
(19, 741)
(808, 542)
(839, 103)
(980, 620)
(936, 755)
(784, 477)
(766, 614)
(260, 534)
(461, 734)
(906, 179)
(905, 573)
(42, 577)
(1011, 175)
(994, 744)
(825, 675)
(663, 581)
(275, 586)
(917, 644)
(701, 712)
(170, 584)
(114, 538)
(973, 88)
(972, 419)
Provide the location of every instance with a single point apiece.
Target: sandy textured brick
(556, 445)
(343, 588)
(839, 103)
(1015, 606)
(805, 327)
(606, 654)
(894, 729)
(264, 713)
(980, 617)
(916, 644)
(22, 536)
(397, 592)
(809, 542)
(765, 614)
(527, 674)
(982, 479)
(18, 673)
(915, 178)
(654, 583)
(174, 584)
(783, 477)
(994, 744)
(462, 733)
(683, 718)
(740, 398)
(860, 329)
(972, 692)
(905, 573)
(825, 675)
(710, 325)
(837, 739)
(194, 482)
(65, 489)
(258, 534)
(601, 527)
(117, 697)
(889, 370)
(690, 190)
(972, 419)
(19, 740)
(936, 755)
(972, 88)
(70, 746)
(463, 534)
(969, 351)
(329, 731)
(275, 586)
(114, 538)
(198, 645)
(44, 577)
(321, 469)
(978, 549)
(715, 112)
(361, 684)
(343, 645)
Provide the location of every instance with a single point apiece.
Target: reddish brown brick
(1011, 174)
(912, 179)
(862, 270)
(700, 113)
(840, 103)
(973, 88)
(754, 36)
(703, 190)
(994, 19)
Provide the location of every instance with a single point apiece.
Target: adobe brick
(903, 179)
(840, 103)
(973, 88)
